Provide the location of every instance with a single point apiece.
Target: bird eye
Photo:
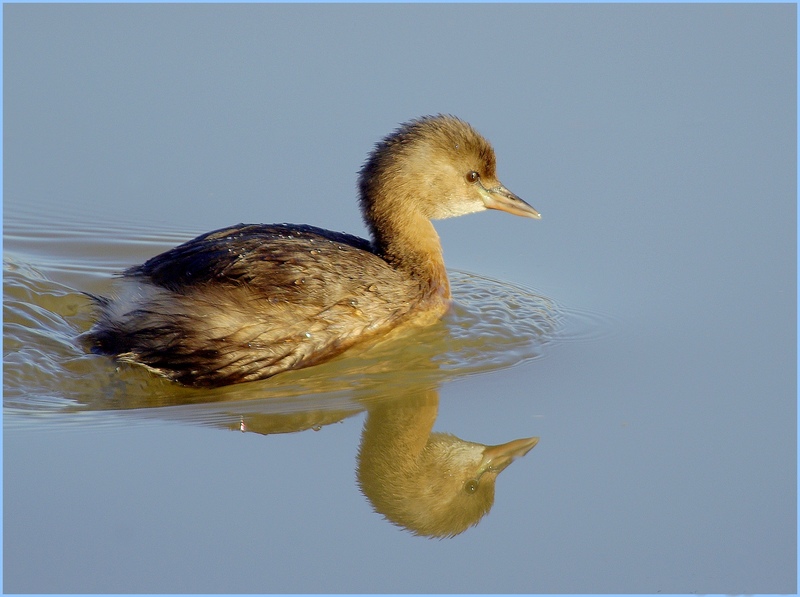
(471, 486)
(473, 176)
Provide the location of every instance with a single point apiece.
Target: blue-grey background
(659, 143)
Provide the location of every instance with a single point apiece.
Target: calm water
(644, 330)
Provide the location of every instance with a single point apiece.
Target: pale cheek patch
(461, 207)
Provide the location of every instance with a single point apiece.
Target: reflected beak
(496, 458)
(501, 198)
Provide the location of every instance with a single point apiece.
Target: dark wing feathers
(264, 256)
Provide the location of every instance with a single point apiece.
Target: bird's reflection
(433, 484)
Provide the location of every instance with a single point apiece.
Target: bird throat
(414, 247)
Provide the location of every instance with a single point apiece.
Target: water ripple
(492, 325)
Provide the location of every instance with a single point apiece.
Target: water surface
(644, 330)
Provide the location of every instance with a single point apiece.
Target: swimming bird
(247, 302)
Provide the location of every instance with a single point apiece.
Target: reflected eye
(472, 176)
(471, 486)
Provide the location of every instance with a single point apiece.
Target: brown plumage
(249, 301)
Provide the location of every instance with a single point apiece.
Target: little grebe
(246, 302)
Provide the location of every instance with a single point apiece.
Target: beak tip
(502, 199)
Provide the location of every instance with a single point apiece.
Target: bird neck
(408, 241)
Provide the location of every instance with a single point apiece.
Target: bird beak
(501, 198)
(496, 458)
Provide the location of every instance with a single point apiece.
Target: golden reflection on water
(433, 484)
